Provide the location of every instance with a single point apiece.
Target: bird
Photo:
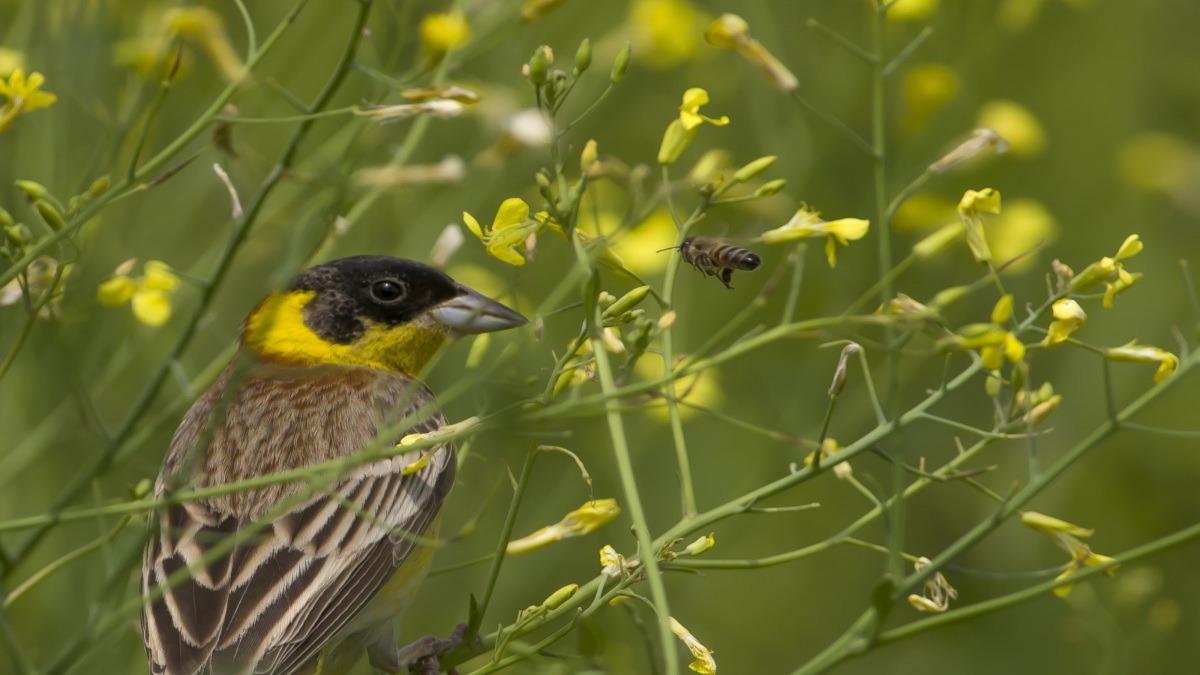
(314, 574)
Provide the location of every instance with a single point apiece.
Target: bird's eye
(387, 290)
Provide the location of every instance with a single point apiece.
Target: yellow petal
(159, 276)
(694, 98)
(513, 212)
(1130, 247)
(152, 308)
(1003, 310)
(116, 291)
(848, 229)
(831, 251)
(506, 253)
(1014, 349)
(473, 225)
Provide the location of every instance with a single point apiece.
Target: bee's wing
(272, 603)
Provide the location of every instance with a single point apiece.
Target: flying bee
(715, 258)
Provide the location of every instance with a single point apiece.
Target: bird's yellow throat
(276, 331)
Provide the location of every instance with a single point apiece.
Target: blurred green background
(1113, 86)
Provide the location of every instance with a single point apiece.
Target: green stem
(668, 337)
(510, 521)
(647, 551)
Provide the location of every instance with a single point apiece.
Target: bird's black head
(370, 310)
(351, 293)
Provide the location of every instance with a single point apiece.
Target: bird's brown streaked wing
(270, 604)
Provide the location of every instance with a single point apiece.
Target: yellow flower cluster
(149, 293)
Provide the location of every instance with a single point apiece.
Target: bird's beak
(471, 313)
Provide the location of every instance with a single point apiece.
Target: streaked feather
(271, 603)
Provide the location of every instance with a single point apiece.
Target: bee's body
(715, 258)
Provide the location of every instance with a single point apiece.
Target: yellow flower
(149, 293)
(682, 130)
(704, 663)
(972, 204)
(1084, 557)
(993, 341)
(21, 96)
(927, 88)
(912, 10)
(583, 520)
(1067, 535)
(509, 231)
(807, 223)
(442, 32)
(611, 562)
(1110, 271)
(731, 32)
(1167, 362)
(665, 33)
(116, 291)
(1015, 124)
(1069, 317)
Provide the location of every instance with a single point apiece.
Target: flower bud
(770, 187)
(50, 214)
(539, 65)
(754, 168)
(701, 545)
(33, 191)
(560, 596)
(583, 56)
(5, 218)
(621, 64)
(98, 186)
(627, 302)
(587, 159)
